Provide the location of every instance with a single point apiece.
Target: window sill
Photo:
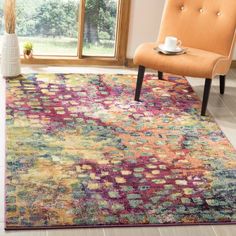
(62, 60)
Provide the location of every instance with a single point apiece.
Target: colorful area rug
(82, 153)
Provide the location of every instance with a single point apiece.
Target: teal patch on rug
(82, 153)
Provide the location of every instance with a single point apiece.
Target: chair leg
(141, 72)
(160, 75)
(222, 84)
(206, 96)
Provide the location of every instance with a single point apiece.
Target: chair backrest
(203, 24)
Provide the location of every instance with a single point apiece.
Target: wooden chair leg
(206, 96)
(160, 75)
(141, 72)
(222, 84)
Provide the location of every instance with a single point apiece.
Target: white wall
(145, 18)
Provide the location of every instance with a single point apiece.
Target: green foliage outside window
(52, 26)
(56, 18)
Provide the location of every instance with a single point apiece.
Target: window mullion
(81, 28)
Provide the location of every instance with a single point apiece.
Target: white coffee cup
(172, 43)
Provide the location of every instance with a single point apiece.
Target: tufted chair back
(204, 24)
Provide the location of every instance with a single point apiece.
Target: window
(51, 25)
(100, 27)
(73, 30)
(1, 22)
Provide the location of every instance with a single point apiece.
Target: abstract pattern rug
(82, 153)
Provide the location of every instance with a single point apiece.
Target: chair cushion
(195, 63)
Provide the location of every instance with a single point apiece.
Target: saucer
(163, 49)
(178, 51)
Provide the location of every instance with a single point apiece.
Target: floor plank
(188, 231)
(76, 232)
(142, 231)
(225, 230)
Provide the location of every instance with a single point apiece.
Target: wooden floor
(223, 108)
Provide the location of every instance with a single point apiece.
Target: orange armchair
(207, 29)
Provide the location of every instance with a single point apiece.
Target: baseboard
(233, 65)
(129, 63)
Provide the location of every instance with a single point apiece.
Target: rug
(82, 153)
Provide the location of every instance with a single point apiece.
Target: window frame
(123, 13)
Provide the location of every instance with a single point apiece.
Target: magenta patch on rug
(82, 153)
